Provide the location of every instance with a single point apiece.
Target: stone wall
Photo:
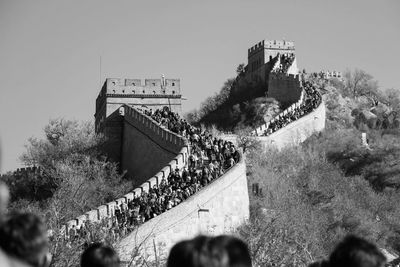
(297, 131)
(284, 88)
(146, 146)
(216, 209)
(165, 139)
(153, 93)
(135, 86)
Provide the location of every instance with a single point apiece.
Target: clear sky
(50, 50)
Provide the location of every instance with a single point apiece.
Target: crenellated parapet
(281, 45)
(115, 86)
(216, 208)
(298, 121)
(262, 56)
(28, 171)
(264, 127)
(164, 138)
(284, 77)
(285, 88)
(152, 93)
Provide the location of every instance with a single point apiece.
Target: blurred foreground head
(203, 251)
(99, 255)
(356, 252)
(24, 237)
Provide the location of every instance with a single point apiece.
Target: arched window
(154, 92)
(154, 84)
(144, 91)
(133, 84)
(173, 84)
(133, 92)
(173, 92)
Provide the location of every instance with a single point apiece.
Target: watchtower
(153, 94)
(266, 50)
(115, 92)
(260, 57)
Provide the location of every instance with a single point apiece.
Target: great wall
(148, 152)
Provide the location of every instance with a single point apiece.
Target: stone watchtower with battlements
(115, 92)
(261, 55)
(153, 94)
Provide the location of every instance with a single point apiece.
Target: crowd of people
(209, 158)
(312, 99)
(285, 61)
(24, 238)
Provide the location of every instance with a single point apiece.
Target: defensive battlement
(147, 125)
(285, 77)
(331, 74)
(164, 138)
(27, 171)
(153, 93)
(271, 45)
(117, 86)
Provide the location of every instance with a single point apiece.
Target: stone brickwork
(158, 134)
(27, 171)
(115, 92)
(153, 93)
(219, 208)
(146, 146)
(285, 88)
(265, 51)
(298, 131)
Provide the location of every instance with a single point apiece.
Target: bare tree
(360, 83)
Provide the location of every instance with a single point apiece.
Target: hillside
(307, 198)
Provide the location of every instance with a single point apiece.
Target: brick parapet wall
(162, 136)
(169, 140)
(27, 171)
(218, 208)
(285, 88)
(298, 131)
(260, 130)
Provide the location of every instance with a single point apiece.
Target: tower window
(154, 84)
(173, 92)
(154, 92)
(133, 84)
(123, 91)
(143, 91)
(173, 84)
(133, 91)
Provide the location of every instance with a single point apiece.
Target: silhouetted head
(231, 251)
(202, 251)
(356, 252)
(99, 255)
(24, 236)
(189, 253)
